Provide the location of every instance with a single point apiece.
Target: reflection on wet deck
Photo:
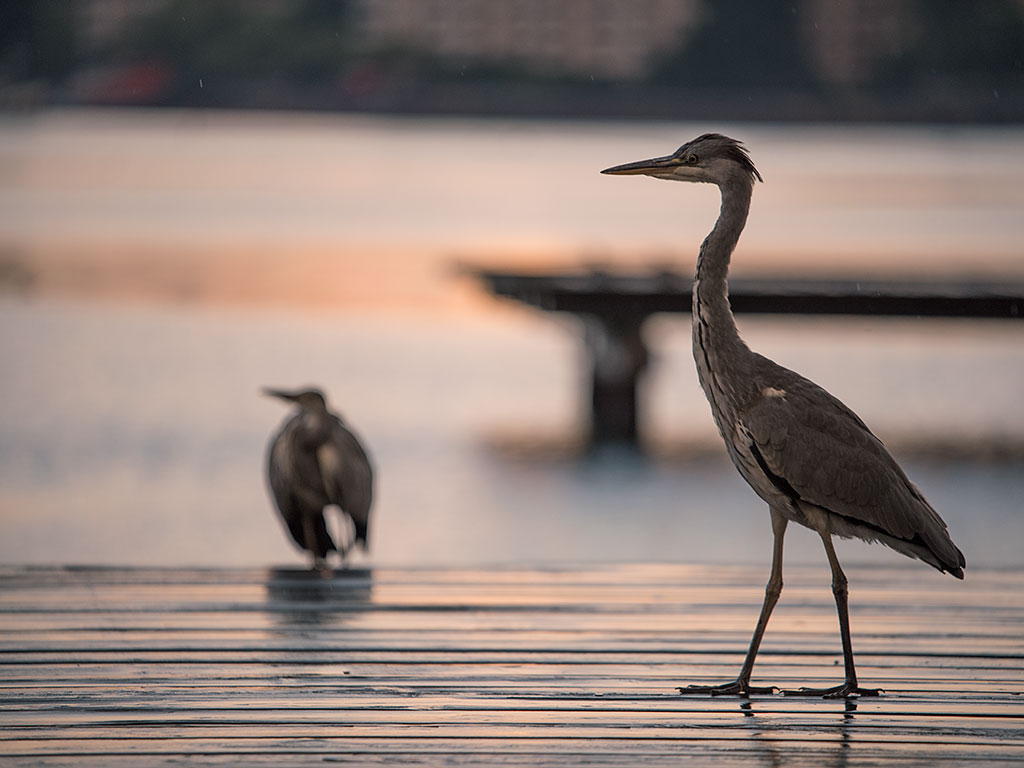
(549, 667)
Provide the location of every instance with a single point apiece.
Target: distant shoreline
(562, 101)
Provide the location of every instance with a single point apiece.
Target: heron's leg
(319, 563)
(741, 685)
(841, 592)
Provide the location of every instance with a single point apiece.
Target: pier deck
(516, 666)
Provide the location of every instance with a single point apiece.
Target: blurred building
(846, 41)
(600, 39)
(102, 21)
(744, 59)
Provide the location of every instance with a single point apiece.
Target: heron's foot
(845, 691)
(735, 688)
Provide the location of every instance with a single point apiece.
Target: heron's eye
(691, 159)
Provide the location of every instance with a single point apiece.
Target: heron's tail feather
(936, 538)
(931, 545)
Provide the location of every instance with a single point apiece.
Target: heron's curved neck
(710, 294)
(721, 356)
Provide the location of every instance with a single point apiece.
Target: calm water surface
(131, 431)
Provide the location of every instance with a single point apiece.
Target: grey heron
(802, 451)
(316, 461)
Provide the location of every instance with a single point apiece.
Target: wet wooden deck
(114, 667)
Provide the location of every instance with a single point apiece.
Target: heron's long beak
(653, 165)
(279, 393)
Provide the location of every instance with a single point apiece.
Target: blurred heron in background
(315, 461)
(801, 450)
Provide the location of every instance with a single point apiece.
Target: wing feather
(348, 477)
(296, 487)
(831, 459)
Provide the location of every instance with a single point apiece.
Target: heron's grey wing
(814, 447)
(297, 489)
(348, 477)
(280, 478)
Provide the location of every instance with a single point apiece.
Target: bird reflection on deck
(774, 742)
(298, 598)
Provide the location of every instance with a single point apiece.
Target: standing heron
(316, 461)
(801, 450)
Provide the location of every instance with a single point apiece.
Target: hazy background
(198, 199)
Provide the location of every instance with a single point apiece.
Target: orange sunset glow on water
(354, 212)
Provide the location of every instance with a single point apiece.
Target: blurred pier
(501, 666)
(613, 308)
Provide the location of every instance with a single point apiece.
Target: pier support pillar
(618, 357)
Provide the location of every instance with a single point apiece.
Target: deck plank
(545, 667)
